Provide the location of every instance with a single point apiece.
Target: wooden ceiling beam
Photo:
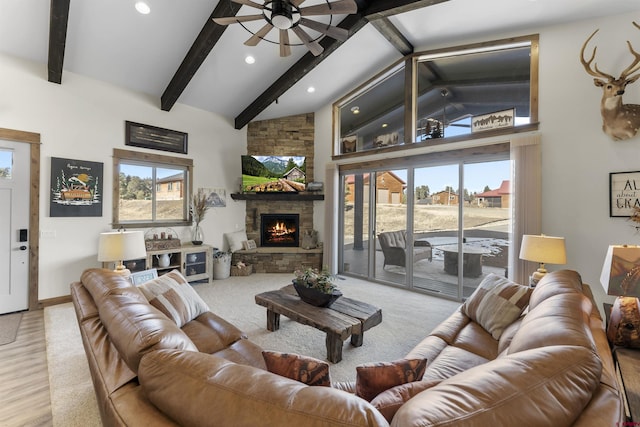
(393, 35)
(385, 8)
(58, 20)
(202, 46)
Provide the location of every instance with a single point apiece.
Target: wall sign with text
(624, 193)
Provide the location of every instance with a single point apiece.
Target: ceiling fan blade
(329, 30)
(313, 46)
(249, 3)
(262, 32)
(296, 3)
(285, 48)
(234, 19)
(335, 8)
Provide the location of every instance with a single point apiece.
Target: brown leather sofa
(205, 373)
(550, 367)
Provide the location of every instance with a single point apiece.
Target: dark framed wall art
(624, 193)
(76, 188)
(155, 138)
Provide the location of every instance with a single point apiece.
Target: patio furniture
(471, 261)
(393, 244)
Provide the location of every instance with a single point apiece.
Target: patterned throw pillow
(174, 296)
(496, 303)
(374, 378)
(307, 370)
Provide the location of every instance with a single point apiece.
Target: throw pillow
(235, 240)
(307, 370)
(496, 303)
(374, 378)
(172, 294)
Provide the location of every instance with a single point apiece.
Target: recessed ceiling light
(355, 110)
(384, 125)
(250, 59)
(311, 89)
(143, 8)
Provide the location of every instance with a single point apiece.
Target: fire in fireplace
(279, 230)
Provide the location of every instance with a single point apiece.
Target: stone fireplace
(287, 136)
(280, 230)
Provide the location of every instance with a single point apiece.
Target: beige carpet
(406, 318)
(9, 324)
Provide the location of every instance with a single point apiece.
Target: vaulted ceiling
(177, 54)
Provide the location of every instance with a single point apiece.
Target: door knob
(23, 248)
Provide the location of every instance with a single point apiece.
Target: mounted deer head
(619, 121)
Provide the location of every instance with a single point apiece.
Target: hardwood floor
(24, 376)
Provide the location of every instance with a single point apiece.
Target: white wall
(84, 119)
(576, 155)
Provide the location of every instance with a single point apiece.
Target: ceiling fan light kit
(287, 15)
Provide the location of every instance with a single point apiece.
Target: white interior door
(14, 226)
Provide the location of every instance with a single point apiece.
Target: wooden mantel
(290, 197)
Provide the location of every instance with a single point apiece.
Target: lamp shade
(121, 245)
(544, 249)
(621, 271)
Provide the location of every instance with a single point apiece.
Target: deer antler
(635, 65)
(587, 64)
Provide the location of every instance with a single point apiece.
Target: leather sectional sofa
(550, 367)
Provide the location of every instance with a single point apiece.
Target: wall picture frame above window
(624, 193)
(155, 138)
(76, 188)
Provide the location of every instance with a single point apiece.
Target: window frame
(153, 160)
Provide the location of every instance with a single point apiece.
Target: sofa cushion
(496, 303)
(307, 370)
(374, 378)
(548, 386)
(389, 401)
(182, 383)
(172, 294)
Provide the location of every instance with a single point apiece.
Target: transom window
(6, 164)
(149, 189)
(432, 96)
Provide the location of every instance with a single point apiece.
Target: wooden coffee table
(345, 318)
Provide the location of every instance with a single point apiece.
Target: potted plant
(316, 287)
(221, 265)
(198, 208)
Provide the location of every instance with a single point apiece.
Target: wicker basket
(244, 271)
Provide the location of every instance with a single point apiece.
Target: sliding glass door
(436, 228)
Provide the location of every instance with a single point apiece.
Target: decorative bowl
(315, 297)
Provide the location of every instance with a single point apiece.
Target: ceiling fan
(287, 15)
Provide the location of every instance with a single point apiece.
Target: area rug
(9, 325)
(407, 318)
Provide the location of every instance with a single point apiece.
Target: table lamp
(119, 246)
(621, 277)
(542, 249)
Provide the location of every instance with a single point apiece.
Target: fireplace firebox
(279, 230)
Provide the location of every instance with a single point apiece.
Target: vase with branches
(198, 208)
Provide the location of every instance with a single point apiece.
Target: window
(431, 97)
(147, 190)
(6, 163)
